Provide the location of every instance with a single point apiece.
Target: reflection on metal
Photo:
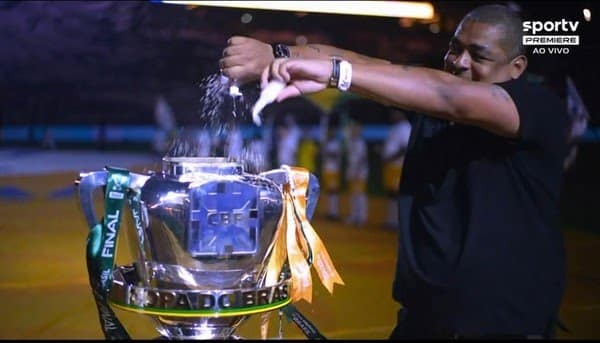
(204, 229)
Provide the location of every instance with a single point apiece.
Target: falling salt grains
(212, 100)
(223, 106)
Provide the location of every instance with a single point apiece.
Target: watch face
(281, 50)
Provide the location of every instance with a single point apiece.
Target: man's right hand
(245, 58)
(301, 76)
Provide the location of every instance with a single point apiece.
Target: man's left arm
(439, 94)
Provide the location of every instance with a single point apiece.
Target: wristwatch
(281, 50)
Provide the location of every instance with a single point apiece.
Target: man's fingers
(235, 73)
(277, 67)
(236, 40)
(232, 61)
(233, 50)
(283, 72)
(264, 77)
(289, 91)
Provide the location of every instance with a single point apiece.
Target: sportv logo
(548, 28)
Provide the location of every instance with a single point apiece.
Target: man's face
(475, 53)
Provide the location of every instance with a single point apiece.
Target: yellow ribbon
(297, 241)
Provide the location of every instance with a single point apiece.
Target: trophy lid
(177, 166)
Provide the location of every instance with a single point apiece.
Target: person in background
(357, 172)
(166, 125)
(392, 158)
(578, 122)
(331, 166)
(288, 137)
(234, 143)
(480, 252)
(204, 142)
(255, 154)
(308, 152)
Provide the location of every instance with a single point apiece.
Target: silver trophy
(204, 229)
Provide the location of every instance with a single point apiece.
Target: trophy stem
(199, 328)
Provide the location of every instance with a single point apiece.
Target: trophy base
(232, 337)
(199, 328)
(187, 314)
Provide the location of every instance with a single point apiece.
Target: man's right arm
(245, 58)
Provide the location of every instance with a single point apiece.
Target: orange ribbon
(297, 241)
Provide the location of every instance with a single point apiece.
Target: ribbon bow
(297, 242)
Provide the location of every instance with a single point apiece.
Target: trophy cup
(211, 244)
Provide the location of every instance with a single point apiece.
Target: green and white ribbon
(101, 249)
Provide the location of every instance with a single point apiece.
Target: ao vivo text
(551, 50)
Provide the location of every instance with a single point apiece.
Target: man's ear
(518, 66)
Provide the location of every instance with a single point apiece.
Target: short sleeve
(542, 114)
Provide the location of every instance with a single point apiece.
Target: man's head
(487, 46)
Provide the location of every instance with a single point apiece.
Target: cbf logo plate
(223, 220)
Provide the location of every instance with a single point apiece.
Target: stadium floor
(46, 294)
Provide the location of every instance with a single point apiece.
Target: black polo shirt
(480, 251)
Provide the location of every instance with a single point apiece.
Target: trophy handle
(87, 183)
(280, 176)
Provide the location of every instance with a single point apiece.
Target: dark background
(104, 62)
(81, 62)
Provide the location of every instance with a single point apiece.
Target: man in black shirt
(480, 254)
